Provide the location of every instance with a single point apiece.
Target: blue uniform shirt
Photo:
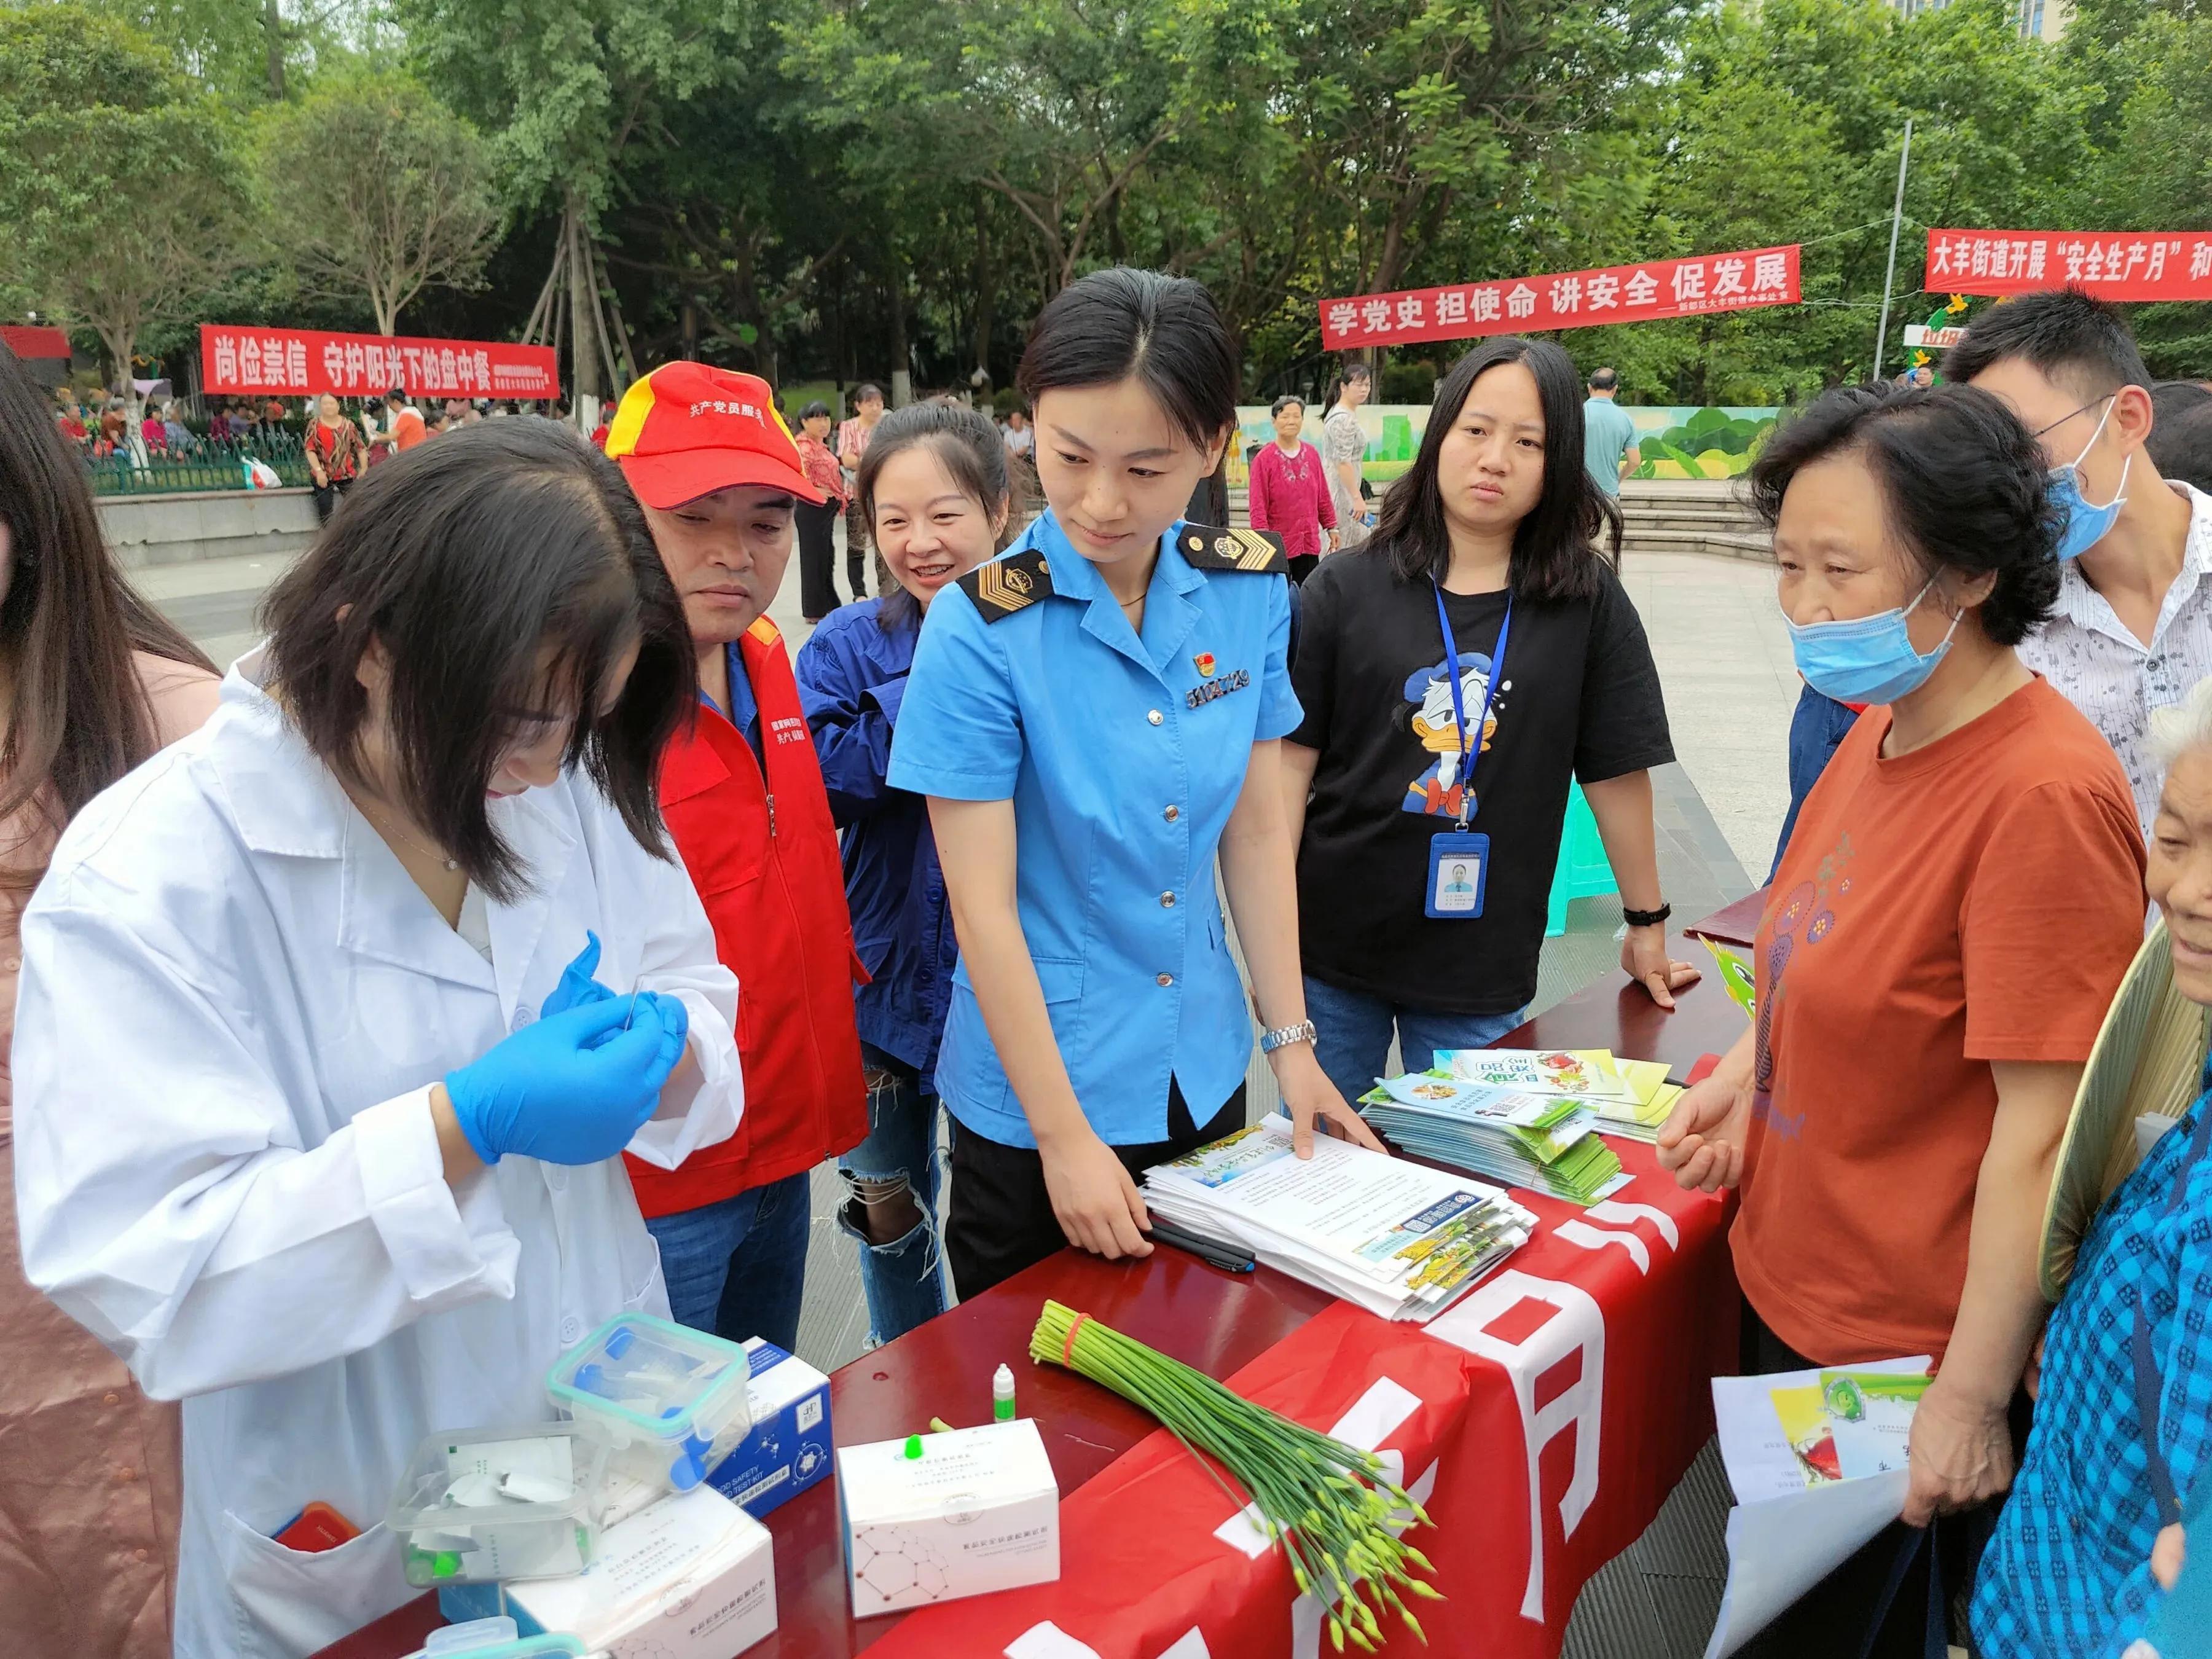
(1123, 757)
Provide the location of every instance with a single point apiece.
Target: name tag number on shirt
(1235, 680)
(1459, 869)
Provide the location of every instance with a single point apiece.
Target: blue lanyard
(1470, 750)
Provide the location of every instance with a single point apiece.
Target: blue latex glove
(572, 1088)
(576, 986)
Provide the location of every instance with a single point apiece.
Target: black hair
(1284, 403)
(1163, 330)
(1354, 371)
(1554, 555)
(77, 715)
(814, 411)
(967, 445)
(1605, 379)
(468, 561)
(1964, 486)
(2171, 400)
(2180, 445)
(2063, 335)
(864, 391)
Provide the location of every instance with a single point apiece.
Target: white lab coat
(233, 1003)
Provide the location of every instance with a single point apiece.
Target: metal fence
(209, 465)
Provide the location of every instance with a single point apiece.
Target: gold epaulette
(1005, 586)
(1205, 548)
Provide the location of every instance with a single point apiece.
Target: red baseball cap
(686, 430)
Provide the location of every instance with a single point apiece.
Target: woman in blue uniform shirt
(933, 494)
(1094, 717)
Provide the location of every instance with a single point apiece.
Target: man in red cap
(709, 456)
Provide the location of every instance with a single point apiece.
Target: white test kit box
(690, 1576)
(978, 1510)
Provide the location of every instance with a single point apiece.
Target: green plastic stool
(1583, 869)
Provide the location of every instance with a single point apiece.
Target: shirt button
(524, 1015)
(1172, 814)
(1165, 979)
(1155, 717)
(126, 1474)
(1167, 900)
(111, 1399)
(137, 1555)
(556, 1178)
(572, 1331)
(14, 964)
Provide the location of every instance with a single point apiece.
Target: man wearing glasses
(2132, 630)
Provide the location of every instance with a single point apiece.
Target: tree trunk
(901, 386)
(272, 33)
(986, 289)
(120, 336)
(583, 339)
(690, 328)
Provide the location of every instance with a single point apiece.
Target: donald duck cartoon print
(1438, 790)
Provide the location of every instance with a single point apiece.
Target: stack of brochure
(1399, 1239)
(1817, 1460)
(1546, 1143)
(1630, 1097)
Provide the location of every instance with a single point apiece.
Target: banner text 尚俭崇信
(305, 362)
(2112, 264)
(1577, 299)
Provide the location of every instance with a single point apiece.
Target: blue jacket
(852, 676)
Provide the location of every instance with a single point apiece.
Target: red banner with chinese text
(2112, 264)
(303, 362)
(1573, 299)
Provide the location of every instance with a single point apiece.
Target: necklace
(427, 852)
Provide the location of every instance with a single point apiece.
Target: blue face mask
(2085, 526)
(1868, 659)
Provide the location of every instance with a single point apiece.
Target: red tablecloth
(1564, 1397)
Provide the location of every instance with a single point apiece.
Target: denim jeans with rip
(896, 1170)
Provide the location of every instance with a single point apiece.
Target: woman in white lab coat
(314, 1129)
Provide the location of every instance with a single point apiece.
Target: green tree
(376, 190)
(119, 186)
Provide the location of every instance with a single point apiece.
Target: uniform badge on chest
(1216, 682)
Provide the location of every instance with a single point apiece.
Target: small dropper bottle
(1002, 1394)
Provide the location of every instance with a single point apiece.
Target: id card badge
(1458, 870)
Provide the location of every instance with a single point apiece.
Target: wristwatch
(1283, 1035)
(1646, 917)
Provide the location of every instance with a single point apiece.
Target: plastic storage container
(486, 1504)
(673, 1400)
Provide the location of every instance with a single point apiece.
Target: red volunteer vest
(763, 855)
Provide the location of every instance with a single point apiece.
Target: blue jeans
(1353, 1040)
(1816, 728)
(737, 1268)
(902, 1279)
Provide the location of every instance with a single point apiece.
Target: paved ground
(1723, 660)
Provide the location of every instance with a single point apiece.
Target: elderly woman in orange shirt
(1961, 895)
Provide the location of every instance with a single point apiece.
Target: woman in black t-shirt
(1486, 551)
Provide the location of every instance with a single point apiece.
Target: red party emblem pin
(1204, 663)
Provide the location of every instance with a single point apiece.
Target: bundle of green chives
(1328, 1504)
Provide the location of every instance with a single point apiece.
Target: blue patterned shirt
(2067, 1575)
